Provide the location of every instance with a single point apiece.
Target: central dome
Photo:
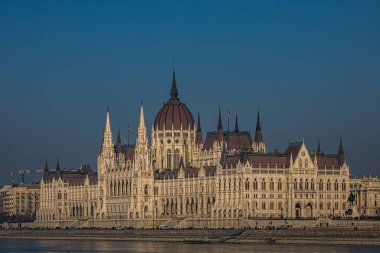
(174, 113)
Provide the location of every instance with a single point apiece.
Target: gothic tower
(258, 145)
(106, 163)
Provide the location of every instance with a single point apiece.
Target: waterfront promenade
(320, 236)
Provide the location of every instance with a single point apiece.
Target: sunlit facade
(179, 177)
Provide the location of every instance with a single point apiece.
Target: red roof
(237, 141)
(172, 115)
(73, 176)
(329, 161)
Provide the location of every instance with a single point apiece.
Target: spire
(58, 167)
(258, 124)
(199, 123)
(258, 133)
(174, 90)
(341, 158)
(46, 166)
(107, 134)
(236, 124)
(340, 151)
(142, 118)
(220, 121)
(319, 147)
(118, 135)
(199, 137)
(219, 131)
(107, 130)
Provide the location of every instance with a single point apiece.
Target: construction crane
(23, 172)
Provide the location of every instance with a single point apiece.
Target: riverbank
(314, 236)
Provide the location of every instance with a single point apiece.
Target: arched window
(146, 189)
(301, 184)
(263, 185)
(176, 159)
(271, 185)
(312, 184)
(307, 184)
(328, 185)
(300, 163)
(295, 184)
(169, 159)
(306, 163)
(321, 185)
(279, 185)
(255, 184)
(344, 185)
(247, 184)
(336, 185)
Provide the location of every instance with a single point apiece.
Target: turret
(106, 158)
(107, 143)
(141, 150)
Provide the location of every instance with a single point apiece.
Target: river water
(18, 245)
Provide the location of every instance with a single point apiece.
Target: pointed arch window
(263, 185)
(176, 159)
(336, 185)
(279, 185)
(271, 185)
(169, 159)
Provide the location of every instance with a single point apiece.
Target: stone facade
(366, 192)
(19, 199)
(67, 197)
(179, 179)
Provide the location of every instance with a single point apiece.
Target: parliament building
(180, 179)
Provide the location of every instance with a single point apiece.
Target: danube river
(18, 245)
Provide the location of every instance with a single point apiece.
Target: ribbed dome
(174, 113)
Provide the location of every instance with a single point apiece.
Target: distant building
(178, 178)
(366, 192)
(19, 199)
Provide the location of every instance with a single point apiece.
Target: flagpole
(128, 136)
(228, 116)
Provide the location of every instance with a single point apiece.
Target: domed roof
(174, 113)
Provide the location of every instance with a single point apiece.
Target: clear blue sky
(311, 66)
